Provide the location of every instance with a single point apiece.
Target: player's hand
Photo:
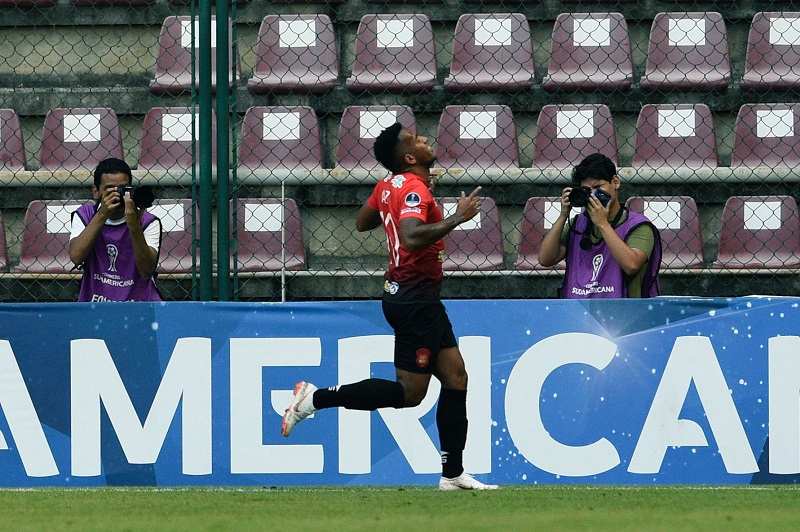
(468, 206)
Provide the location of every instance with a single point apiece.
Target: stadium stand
(12, 144)
(477, 244)
(393, 52)
(361, 125)
(78, 139)
(565, 134)
(477, 136)
(759, 232)
(45, 237)
(589, 51)
(176, 45)
(538, 217)
(766, 135)
(491, 52)
(295, 53)
(675, 135)
(167, 140)
(3, 247)
(27, 3)
(280, 138)
(687, 51)
(100, 3)
(773, 52)
(678, 222)
(177, 235)
(269, 235)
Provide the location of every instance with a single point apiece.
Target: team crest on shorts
(423, 357)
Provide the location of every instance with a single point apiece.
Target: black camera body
(579, 196)
(142, 196)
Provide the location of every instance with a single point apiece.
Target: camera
(142, 196)
(579, 196)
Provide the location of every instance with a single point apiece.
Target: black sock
(451, 420)
(368, 394)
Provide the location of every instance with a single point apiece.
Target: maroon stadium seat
(773, 53)
(295, 53)
(766, 135)
(589, 51)
(174, 61)
(359, 128)
(45, 237)
(178, 227)
(167, 139)
(280, 137)
(538, 217)
(259, 238)
(687, 51)
(477, 136)
(3, 247)
(675, 135)
(12, 145)
(477, 244)
(565, 134)
(393, 53)
(78, 139)
(678, 223)
(759, 232)
(491, 52)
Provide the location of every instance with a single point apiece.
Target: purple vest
(109, 271)
(596, 274)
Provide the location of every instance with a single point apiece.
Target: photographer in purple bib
(115, 240)
(609, 251)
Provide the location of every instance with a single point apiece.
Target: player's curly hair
(387, 148)
(594, 166)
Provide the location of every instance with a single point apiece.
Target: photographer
(115, 240)
(610, 252)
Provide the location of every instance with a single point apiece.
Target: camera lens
(579, 197)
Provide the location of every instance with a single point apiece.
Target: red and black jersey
(412, 275)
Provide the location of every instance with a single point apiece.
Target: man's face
(612, 187)
(110, 182)
(417, 146)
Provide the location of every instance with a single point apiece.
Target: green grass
(409, 509)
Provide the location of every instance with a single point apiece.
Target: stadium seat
(167, 139)
(589, 51)
(678, 222)
(280, 137)
(491, 52)
(3, 247)
(477, 244)
(78, 139)
(687, 51)
(259, 238)
(477, 136)
(766, 135)
(178, 227)
(393, 52)
(565, 134)
(759, 232)
(772, 61)
(45, 237)
(538, 217)
(675, 136)
(295, 53)
(359, 128)
(12, 145)
(174, 61)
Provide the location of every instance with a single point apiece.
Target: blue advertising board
(663, 391)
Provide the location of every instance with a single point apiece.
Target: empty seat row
(472, 136)
(687, 51)
(757, 232)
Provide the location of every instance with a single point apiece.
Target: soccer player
(425, 345)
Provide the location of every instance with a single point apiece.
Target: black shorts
(421, 330)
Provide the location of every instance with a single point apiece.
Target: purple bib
(109, 271)
(595, 273)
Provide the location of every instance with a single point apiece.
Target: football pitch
(403, 508)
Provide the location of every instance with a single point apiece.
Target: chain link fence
(697, 106)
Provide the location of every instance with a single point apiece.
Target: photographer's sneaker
(464, 481)
(301, 407)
